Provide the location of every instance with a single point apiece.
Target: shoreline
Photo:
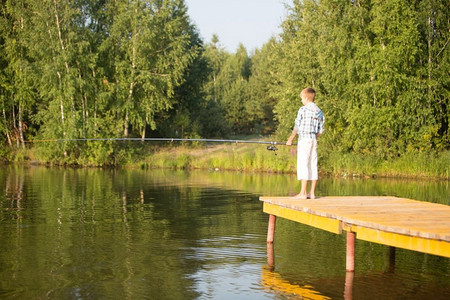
(251, 159)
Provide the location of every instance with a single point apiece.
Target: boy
(309, 124)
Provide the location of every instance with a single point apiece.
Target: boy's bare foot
(298, 196)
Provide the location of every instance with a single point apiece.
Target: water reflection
(14, 189)
(276, 284)
(387, 284)
(381, 281)
(90, 233)
(348, 291)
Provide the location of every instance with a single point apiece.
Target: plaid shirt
(310, 121)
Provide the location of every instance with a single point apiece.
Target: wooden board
(398, 222)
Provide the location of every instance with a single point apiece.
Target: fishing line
(271, 147)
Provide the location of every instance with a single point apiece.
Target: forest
(138, 68)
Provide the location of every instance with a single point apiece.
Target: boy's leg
(303, 188)
(314, 171)
(302, 171)
(313, 189)
(305, 170)
(313, 161)
(304, 148)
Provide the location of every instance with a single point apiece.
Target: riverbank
(256, 158)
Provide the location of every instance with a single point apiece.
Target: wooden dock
(396, 222)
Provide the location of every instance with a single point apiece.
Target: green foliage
(89, 69)
(377, 67)
(97, 154)
(233, 91)
(152, 49)
(261, 102)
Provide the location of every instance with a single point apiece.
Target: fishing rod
(271, 147)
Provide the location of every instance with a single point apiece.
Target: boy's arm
(291, 137)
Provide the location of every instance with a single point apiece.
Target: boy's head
(308, 95)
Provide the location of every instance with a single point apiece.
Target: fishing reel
(272, 148)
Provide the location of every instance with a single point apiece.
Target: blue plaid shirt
(310, 121)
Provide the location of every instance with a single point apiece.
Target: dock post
(271, 229)
(350, 259)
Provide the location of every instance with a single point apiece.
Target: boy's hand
(291, 138)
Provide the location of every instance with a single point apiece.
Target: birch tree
(17, 87)
(150, 41)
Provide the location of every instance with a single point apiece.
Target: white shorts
(307, 159)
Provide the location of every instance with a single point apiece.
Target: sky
(250, 22)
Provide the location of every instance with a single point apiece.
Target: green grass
(253, 158)
(413, 164)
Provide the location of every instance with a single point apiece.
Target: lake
(158, 234)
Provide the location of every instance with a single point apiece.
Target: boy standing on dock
(309, 124)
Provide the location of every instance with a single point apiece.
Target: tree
(151, 44)
(184, 118)
(297, 61)
(58, 45)
(261, 101)
(377, 67)
(17, 88)
(434, 62)
(214, 112)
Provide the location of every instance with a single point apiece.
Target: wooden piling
(350, 259)
(271, 229)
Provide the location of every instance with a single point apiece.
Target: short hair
(310, 93)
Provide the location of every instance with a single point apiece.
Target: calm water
(134, 234)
